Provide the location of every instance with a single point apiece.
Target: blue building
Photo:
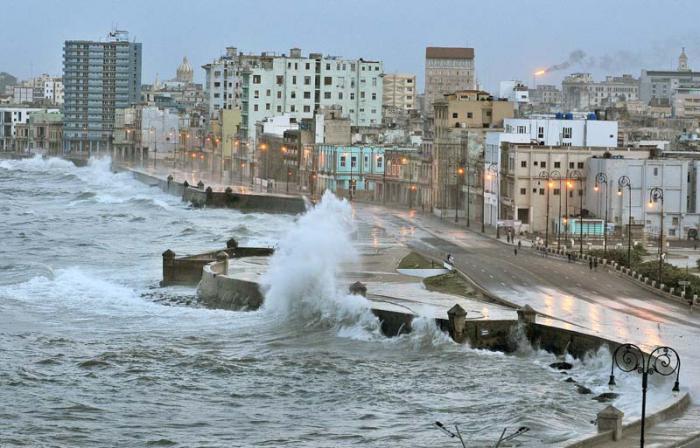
(347, 170)
(98, 77)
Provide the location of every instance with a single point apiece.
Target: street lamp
(569, 187)
(460, 172)
(547, 176)
(623, 182)
(656, 194)
(575, 174)
(493, 168)
(602, 178)
(662, 360)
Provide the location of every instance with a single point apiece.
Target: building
(268, 85)
(98, 77)
(46, 131)
(406, 180)
(461, 122)
(546, 96)
(678, 179)
(686, 105)
(581, 93)
(561, 131)
(655, 85)
(399, 92)
(349, 171)
(534, 176)
(447, 70)
(41, 90)
(14, 126)
(514, 91)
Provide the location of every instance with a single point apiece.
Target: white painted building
(564, 132)
(514, 91)
(677, 177)
(268, 85)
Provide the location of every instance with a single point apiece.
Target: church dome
(185, 73)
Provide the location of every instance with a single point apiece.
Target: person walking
(595, 264)
(515, 251)
(519, 244)
(590, 264)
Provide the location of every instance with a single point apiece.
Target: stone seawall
(202, 196)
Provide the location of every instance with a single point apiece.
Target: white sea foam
(301, 283)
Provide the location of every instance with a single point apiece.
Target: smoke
(575, 57)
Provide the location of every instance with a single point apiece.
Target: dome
(185, 73)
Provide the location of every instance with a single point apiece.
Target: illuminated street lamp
(602, 178)
(624, 182)
(657, 194)
(460, 172)
(662, 360)
(548, 176)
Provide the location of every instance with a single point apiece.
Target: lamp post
(547, 176)
(624, 182)
(662, 360)
(350, 184)
(602, 178)
(483, 198)
(579, 176)
(493, 168)
(460, 172)
(657, 194)
(568, 186)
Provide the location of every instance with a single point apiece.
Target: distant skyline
(512, 39)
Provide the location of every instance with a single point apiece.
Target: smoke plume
(575, 57)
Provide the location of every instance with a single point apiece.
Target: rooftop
(449, 53)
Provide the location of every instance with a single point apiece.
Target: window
(566, 133)
(541, 191)
(294, 79)
(307, 108)
(353, 162)
(540, 132)
(374, 96)
(267, 106)
(470, 115)
(293, 94)
(674, 221)
(279, 109)
(374, 82)
(292, 108)
(328, 66)
(256, 79)
(340, 95)
(543, 164)
(342, 161)
(362, 94)
(522, 129)
(255, 108)
(279, 94)
(217, 84)
(256, 94)
(326, 95)
(327, 80)
(580, 165)
(352, 95)
(523, 164)
(307, 80)
(534, 190)
(216, 95)
(571, 194)
(523, 191)
(308, 66)
(535, 163)
(656, 171)
(268, 92)
(571, 165)
(556, 192)
(580, 192)
(380, 161)
(557, 164)
(307, 95)
(455, 115)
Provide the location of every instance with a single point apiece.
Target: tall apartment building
(399, 91)
(98, 77)
(581, 92)
(447, 70)
(269, 85)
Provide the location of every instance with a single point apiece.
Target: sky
(512, 38)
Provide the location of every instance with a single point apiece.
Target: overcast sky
(512, 38)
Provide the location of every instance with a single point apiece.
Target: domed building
(185, 73)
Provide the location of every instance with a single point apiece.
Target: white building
(268, 85)
(10, 117)
(677, 177)
(514, 91)
(580, 92)
(549, 131)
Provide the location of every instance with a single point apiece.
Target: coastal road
(597, 302)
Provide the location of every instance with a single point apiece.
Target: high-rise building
(269, 85)
(447, 70)
(98, 77)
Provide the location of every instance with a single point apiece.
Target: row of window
(555, 192)
(543, 164)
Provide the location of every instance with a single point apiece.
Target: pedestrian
(515, 251)
(568, 257)
(595, 264)
(519, 244)
(590, 264)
